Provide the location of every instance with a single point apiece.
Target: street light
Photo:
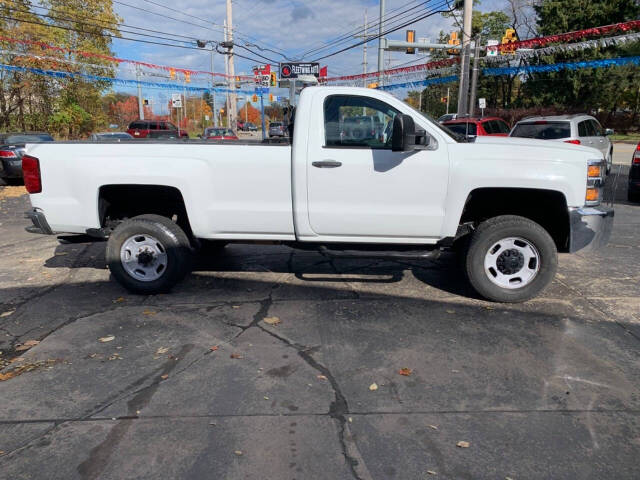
(203, 44)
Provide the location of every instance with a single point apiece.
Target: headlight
(595, 182)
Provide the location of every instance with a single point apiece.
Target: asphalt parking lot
(270, 363)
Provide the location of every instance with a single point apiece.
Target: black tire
(172, 239)
(633, 197)
(496, 229)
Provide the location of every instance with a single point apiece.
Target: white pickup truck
(409, 188)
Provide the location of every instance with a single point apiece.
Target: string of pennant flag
(554, 67)
(173, 71)
(120, 81)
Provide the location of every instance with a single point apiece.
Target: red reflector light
(574, 142)
(7, 154)
(31, 174)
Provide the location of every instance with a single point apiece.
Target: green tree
(586, 89)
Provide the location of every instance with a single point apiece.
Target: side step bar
(382, 254)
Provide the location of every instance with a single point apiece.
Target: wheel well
(119, 202)
(548, 208)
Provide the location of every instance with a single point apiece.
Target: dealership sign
(296, 69)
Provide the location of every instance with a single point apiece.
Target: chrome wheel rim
(512, 263)
(143, 257)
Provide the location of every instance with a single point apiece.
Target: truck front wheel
(148, 254)
(510, 259)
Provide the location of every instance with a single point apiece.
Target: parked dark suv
(154, 129)
(12, 149)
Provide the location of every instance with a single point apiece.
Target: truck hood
(546, 144)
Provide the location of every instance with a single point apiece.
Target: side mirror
(403, 138)
(608, 131)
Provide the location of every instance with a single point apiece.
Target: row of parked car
(576, 129)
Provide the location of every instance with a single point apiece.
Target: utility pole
(381, 44)
(213, 93)
(364, 50)
(140, 105)
(463, 95)
(448, 98)
(232, 73)
(226, 77)
(474, 78)
(365, 37)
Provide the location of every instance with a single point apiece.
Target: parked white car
(574, 129)
(507, 205)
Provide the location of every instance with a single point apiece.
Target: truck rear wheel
(510, 259)
(148, 254)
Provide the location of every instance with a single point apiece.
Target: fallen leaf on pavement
(119, 300)
(31, 343)
(6, 314)
(106, 339)
(321, 377)
(463, 444)
(162, 350)
(405, 371)
(214, 348)
(272, 320)
(431, 472)
(235, 306)
(434, 427)
(238, 452)
(17, 359)
(164, 377)
(236, 355)
(451, 312)
(149, 313)
(373, 387)
(22, 348)
(6, 376)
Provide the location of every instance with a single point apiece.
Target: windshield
(542, 130)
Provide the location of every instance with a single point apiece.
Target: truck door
(359, 190)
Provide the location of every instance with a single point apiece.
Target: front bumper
(590, 227)
(40, 224)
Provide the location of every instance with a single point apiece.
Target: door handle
(327, 164)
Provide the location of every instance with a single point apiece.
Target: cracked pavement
(545, 389)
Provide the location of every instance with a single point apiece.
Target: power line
(358, 31)
(54, 17)
(402, 16)
(373, 37)
(99, 34)
(233, 29)
(76, 18)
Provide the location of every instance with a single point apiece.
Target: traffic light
(444, 99)
(411, 38)
(273, 80)
(372, 85)
(271, 98)
(222, 111)
(145, 102)
(187, 77)
(453, 40)
(254, 99)
(172, 74)
(509, 38)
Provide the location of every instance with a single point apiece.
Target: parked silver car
(577, 129)
(277, 129)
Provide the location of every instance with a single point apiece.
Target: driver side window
(358, 122)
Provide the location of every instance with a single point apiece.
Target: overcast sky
(289, 26)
